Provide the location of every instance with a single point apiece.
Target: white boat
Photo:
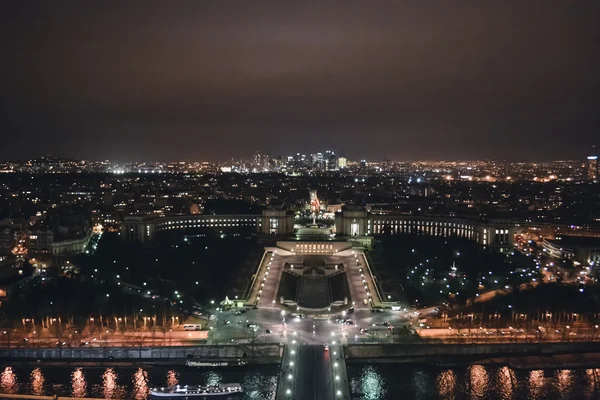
(197, 391)
(194, 363)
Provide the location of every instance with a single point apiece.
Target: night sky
(210, 80)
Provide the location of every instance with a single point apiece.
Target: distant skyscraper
(591, 173)
(317, 161)
(342, 162)
(330, 161)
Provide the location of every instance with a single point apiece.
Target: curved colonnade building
(358, 222)
(270, 222)
(350, 222)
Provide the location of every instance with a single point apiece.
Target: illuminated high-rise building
(342, 162)
(591, 170)
(331, 161)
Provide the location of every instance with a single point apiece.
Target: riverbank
(257, 354)
(424, 350)
(526, 356)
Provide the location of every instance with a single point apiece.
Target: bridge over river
(313, 372)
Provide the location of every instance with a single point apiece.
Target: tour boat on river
(199, 363)
(197, 391)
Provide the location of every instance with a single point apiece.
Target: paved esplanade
(310, 372)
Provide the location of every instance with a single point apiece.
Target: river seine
(367, 382)
(389, 381)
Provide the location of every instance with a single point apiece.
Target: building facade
(356, 221)
(270, 222)
(43, 241)
(592, 170)
(583, 250)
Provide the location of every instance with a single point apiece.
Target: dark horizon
(210, 81)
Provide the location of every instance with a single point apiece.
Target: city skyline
(250, 157)
(514, 81)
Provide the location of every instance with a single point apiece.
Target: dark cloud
(210, 80)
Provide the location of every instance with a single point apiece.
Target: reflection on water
(564, 380)
(505, 382)
(370, 385)
(446, 384)
(591, 377)
(78, 383)
(110, 387)
(259, 382)
(478, 381)
(109, 379)
(423, 383)
(8, 381)
(213, 378)
(473, 382)
(140, 384)
(37, 382)
(259, 386)
(536, 383)
(172, 378)
(367, 382)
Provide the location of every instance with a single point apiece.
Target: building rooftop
(580, 241)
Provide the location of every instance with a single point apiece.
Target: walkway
(310, 372)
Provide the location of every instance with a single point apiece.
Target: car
(227, 322)
(350, 310)
(349, 322)
(364, 330)
(386, 323)
(25, 340)
(61, 343)
(326, 347)
(267, 331)
(84, 343)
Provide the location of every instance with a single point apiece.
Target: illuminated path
(309, 372)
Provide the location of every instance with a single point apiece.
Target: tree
(252, 335)
(164, 327)
(138, 339)
(152, 330)
(57, 329)
(8, 333)
(92, 328)
(122, 328)
(28, 327)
